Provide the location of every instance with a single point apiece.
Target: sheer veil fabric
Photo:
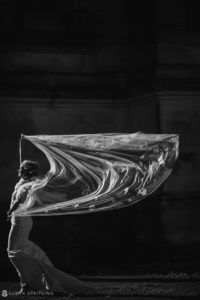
(98, 172)
(87, 173)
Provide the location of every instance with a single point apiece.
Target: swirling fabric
(98, 172)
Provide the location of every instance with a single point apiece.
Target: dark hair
(28, 169)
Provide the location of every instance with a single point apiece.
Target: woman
(34, 268)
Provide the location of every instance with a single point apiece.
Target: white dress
(31, 262)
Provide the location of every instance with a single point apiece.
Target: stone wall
(101, 66)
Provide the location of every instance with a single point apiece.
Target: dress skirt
(34, 267)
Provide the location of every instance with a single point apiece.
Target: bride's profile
(35, 270)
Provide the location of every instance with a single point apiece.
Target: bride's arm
(15, 206)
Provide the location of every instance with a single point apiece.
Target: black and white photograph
(100, 149)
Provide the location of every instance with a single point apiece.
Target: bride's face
(21, 173)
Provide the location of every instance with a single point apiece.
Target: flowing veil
(98, 172)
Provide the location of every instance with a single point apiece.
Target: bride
(35, 270)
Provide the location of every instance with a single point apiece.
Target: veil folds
(98, 172)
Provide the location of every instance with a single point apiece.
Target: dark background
(92, 66)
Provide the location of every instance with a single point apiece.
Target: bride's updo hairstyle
(28, 169)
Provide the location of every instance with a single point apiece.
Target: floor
(149, 286)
